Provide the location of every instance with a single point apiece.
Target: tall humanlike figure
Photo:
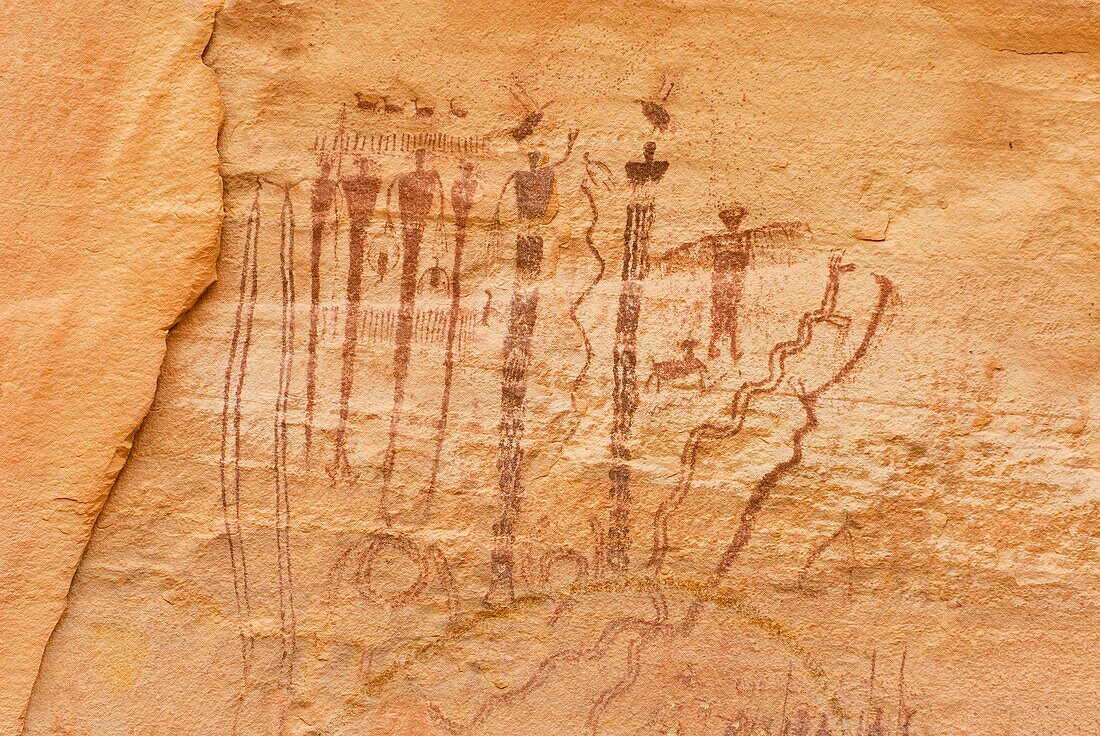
(322, 202)
(416, 191)
(643, 176)
(465, 191)
(361, 195)
(536, 206)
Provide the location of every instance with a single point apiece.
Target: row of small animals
(383, 105)
(654, 109)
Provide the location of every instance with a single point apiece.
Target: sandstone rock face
(661, 368)
(109, 225)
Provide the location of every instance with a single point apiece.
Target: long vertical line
(901, 689)
(357, 228)
(229, 465)
(339, 147)
(644, 177)
(625, 389)
(522, 315)
(786, 696)
(323, 197)
(871, 687)
(232, 522)
(250, 311)
(287, 619)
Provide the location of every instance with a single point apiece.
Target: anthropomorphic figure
(322, 201)
(647, 171)
(644, 177)
(489, 310)
(417, 190)
(382, 265)
(435, 278)
(536, 206)
(877, 727)
(360, 195)
(732, 254)
(728, 256)
(465, 192)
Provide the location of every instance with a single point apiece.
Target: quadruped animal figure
(391, 108)
(687, 364)
(381, 103)
(364, 104)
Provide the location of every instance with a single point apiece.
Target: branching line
(649, 631)
(714, 429)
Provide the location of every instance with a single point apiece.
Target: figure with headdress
(644, 176)
(535, 191)
(728, 255)
(731, 260)
(536, 204)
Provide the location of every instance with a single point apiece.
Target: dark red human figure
(382, 265)
(322, 199)
(465, 191)
(535, 194)
(434, 278)
(731, 260)
(535, 189)
(361, 196)
(644, 176)
(416, 191)
(647, 171)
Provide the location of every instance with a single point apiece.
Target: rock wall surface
(620, 368)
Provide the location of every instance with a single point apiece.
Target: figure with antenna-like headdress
(535, 189)
(644, 177)
(729, 255)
